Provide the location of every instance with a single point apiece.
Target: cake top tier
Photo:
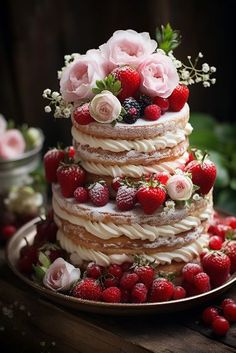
(129, 77)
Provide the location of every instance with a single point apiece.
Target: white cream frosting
(133, 231)
(79, 254)
(134, 170)
(169, 139)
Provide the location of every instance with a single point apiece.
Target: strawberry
(215, 242)
(189, 271)
(116, 183)
(99, 194)
(221, 230)
(128, 280)
(203, 174)
(139, 293)
(88, 288)
(111, 295)
(161, 290)
(82, 115)
(151, 198)
(178, 98)
(152, 112)
(201, 282)
(229, 248)
(163, 103)
(130, 81)
(70, 177)
(217, 265)
(230, 221)
(81, 194)
(145, 274)
(29, 257)
(126, 198)
(51, 161)
(162, 177)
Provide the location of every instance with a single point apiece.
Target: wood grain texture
(37, 324)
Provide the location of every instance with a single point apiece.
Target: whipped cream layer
(169, 139)
(80, 254)
(135, 171)
(133, 231)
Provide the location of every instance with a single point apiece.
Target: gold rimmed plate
(28, 231)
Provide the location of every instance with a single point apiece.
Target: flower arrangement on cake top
(130, 77)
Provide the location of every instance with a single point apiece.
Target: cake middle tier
(142, 148)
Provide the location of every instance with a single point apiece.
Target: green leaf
(100, 84)
(96, 90)
(44, 260)
(167, 38)
(39, 272)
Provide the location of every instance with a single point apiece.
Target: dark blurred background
(36, 34)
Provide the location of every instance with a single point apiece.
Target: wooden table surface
(29, 323)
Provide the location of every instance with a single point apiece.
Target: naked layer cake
(132, 188)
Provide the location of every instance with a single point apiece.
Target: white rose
(179, 187)
(105, 107)
(61, 275)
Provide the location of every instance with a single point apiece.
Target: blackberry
(132, 109)
(144, 101)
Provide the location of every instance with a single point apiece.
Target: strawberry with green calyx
(51, 161)
(217, 265)
(151, 195)
(70, 176)
(203, 173)
(129, 79)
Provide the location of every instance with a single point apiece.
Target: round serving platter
(28, 231)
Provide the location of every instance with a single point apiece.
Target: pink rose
(61, 275)
(128, 48)
(179, 187)
(105, 107)
(12, 144)
(80, 76)
(159, 76)
(3, 124)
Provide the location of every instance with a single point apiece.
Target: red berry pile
(219, 318)
(126, 283)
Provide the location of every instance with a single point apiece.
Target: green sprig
(110, 83)
(167, 38)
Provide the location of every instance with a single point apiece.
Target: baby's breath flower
(206, 84)
(198, 79)
(205, 67)
(205, 77)
(185, 74)
(200, 55)
(67, 112)
(47, 109)
(213, 81)
(213, 69)
(59, 72)
(55, 95)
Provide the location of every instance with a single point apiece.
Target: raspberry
(145, 274)
(99, 194)
(82, 115)
(128, 280)
(8, 231)
(161, 290)
(220, 326)
(93, 270)
(111, 281)
(88, 288)
(144, 101)
(229, 249)
(132, 109)
(139, 293)
(126, 198)
(201, 282)
(227, 301)
(81, 194)
(115, 270)
(111, 295)
(209, 314)
(189, 271)
(179, 293)
(215, 242)
(163, 103)
(230, 312)
(152, 112)
(217, 265)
